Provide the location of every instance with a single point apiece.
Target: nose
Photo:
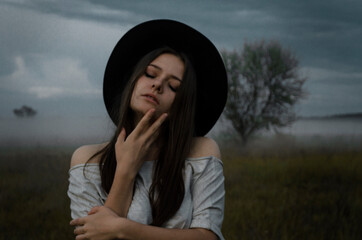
(157, 85)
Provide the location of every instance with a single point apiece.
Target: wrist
(124, 226)
(125, 173)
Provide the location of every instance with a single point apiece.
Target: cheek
(132, 101)
(170, 101)
(134, 93)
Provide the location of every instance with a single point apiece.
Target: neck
(154, 151)
(155, 148)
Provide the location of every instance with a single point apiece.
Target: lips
(152, 98)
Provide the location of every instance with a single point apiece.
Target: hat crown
(203, 55)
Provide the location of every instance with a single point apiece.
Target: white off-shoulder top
(202, 207)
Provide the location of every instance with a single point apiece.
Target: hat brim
(205, 58)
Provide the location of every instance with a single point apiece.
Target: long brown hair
(167, 190)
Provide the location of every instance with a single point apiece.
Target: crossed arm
(109, 221)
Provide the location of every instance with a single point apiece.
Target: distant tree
(264, 84)
(24, 111)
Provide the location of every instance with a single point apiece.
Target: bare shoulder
(204, 147)
(82, 154)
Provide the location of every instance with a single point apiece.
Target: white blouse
(202, 207)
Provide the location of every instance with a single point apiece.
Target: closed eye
(172, 88)
(149, 75)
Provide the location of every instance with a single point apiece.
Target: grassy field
(293, 193)
(273, 192)
(33, 200)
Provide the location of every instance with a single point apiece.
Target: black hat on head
(204, 57)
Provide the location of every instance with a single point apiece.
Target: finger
(79, 230)
(152, 136)
(81, 237)
(122, 135)
(94, 210)
(144, 122)
(77, 222)
(156, 126)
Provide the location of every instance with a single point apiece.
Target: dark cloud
(325, 36)
(83, 10)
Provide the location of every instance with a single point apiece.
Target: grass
(279, 192)
(293, 193)
(33, 200)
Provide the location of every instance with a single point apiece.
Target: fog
(54, 131)
(73, 131)
(325, 127)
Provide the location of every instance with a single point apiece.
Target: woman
(157, 178)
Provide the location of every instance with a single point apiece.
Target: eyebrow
(173, 76)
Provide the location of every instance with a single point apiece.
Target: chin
(142, 111)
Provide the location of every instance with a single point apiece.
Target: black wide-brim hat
(203, 55)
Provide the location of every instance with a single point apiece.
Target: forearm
(120, 196)
(132, 230)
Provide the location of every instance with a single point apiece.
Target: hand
(131, 152)
(101, 224)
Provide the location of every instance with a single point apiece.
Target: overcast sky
(53, 53)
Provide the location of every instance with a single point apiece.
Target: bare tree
(264, 84)
(24, 111)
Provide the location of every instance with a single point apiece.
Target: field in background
(294, 188)
(276, 188)
(33, 200)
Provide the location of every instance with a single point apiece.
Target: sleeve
(83, 191)
(209, 197)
